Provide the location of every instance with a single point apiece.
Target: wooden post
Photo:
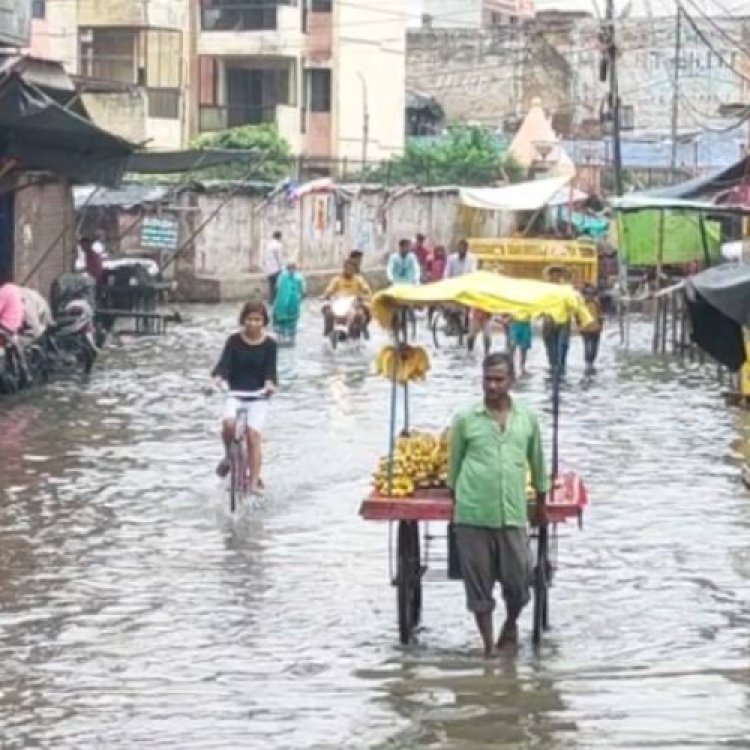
(657, 318)
(665, 314)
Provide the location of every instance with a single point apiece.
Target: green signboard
(160, 232)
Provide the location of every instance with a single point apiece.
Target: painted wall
(369, 46)
(44, 231)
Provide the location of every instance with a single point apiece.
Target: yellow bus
(528, 257)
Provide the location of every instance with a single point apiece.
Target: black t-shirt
(247, 367)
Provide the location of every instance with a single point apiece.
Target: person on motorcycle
(37, 316)
(11, 322)
(11, 305)
(348, 283)
(93, 261)
(247, 365)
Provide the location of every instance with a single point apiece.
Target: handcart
(413, 513)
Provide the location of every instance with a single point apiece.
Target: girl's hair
(254, 308)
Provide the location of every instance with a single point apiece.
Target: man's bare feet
(508, 640)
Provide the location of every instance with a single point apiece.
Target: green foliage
(274, 154)
(465, 156)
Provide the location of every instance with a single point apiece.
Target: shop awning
(491, 292)
(40, 134)
(525, 196)
(719, 306)
(650, 202)
(173, 162)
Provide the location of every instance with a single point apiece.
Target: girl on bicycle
(248, 368)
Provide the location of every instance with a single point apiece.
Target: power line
(707, 43)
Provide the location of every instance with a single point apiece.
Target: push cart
(411, 516)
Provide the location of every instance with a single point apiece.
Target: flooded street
(135, 613)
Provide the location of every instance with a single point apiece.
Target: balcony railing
(221, 118)
(121, 68)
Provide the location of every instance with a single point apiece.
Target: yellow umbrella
(490, 292)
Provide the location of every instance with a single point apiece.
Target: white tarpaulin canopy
(526, 196)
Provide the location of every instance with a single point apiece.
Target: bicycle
(448, 322)
(239, 460)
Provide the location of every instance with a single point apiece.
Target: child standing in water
(519, 339)
(290, 289)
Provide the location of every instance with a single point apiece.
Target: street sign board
(160, 232)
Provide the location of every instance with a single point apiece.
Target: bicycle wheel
(237, 480)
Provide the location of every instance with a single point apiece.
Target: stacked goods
(420, 461)
(410, 362)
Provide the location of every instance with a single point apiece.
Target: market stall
(409, 484)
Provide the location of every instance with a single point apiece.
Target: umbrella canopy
(490, 292)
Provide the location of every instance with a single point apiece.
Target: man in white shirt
(460, 262)
(273, 264)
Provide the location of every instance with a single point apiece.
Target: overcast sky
(640, 7)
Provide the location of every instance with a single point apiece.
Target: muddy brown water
(135, 613)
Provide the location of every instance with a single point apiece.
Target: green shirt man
(489, 450)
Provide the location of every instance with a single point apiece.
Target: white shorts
(256, 411)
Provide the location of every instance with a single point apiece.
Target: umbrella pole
(394, 402)
(405, 338)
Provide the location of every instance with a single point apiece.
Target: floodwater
(135, 613)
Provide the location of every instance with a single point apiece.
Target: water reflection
(135, 611)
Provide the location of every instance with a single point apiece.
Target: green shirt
(487, 466)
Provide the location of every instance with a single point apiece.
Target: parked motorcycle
(72, 340)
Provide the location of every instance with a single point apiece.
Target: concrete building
(492, 75)
(127, 59)
(469, 14)
(316, 70)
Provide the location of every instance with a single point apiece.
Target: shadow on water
(135, 611)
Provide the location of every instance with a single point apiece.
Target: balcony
(119, 68)
(107, 13)
(245, 30)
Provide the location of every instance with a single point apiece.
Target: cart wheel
(408, 580)
(540, 603)
(417, 598)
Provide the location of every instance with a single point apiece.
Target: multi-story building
(330, 74)
(470, 14)
(127, 58)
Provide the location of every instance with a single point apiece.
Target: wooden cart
(566, 502)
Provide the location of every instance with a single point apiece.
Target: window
(38, 9)
(109, 54)
(627, 117)
(164, 103)
(320, 6)
(320, 89)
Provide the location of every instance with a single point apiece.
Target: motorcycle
(12, 371)
(72, 340)
(343, 330)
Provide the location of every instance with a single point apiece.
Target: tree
(274, 154)
(467, 155)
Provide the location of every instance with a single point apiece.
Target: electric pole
(614, 93)
(676, 88)
(365, 122)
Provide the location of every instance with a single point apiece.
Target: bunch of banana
(410, 362)
(420, 461)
